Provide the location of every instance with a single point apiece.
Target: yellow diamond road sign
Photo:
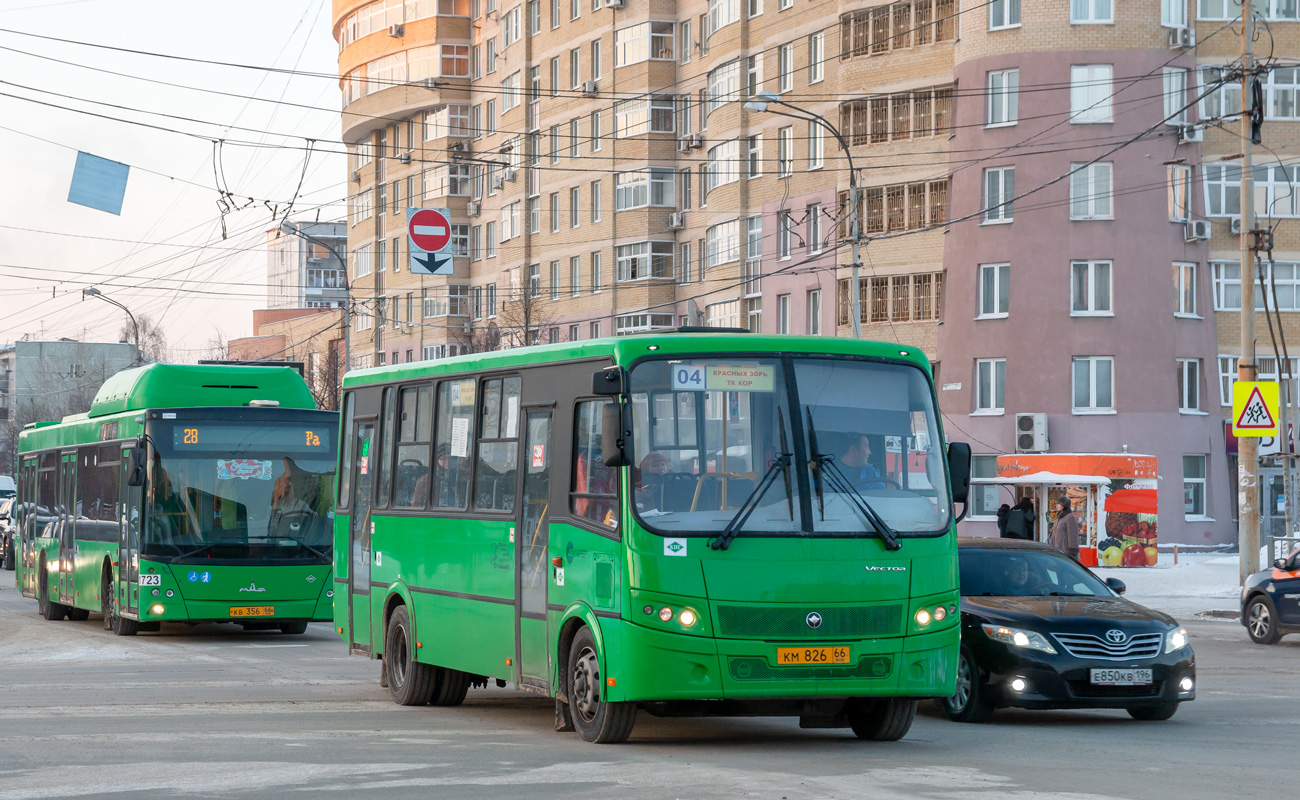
(1254, 408)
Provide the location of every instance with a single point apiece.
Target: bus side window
(497, 469)
(595, 494)
(345, 450)
(384, 462)
(453, 432)
(412, 472)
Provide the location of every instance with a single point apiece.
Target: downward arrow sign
(433, 265)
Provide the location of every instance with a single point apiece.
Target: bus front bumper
(650, 665)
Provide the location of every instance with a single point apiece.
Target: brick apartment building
(604, 178)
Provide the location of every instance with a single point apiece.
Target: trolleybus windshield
(706, 431)
(238, 491)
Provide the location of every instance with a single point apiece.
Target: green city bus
(686, 523)
(187, 493)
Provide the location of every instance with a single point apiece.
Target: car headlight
(1175, 640)
(1030, 640)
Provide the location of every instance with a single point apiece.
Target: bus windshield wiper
(825, 468)
(197, 550)
(747, 508)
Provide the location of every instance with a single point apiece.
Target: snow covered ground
(1198, 583)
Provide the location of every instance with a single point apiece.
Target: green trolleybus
(186, 494)
(685, 523)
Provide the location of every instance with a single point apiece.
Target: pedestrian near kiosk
(1020, 520)
(1065, 533)
(1003, 511)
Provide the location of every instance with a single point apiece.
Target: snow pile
(1198, 583)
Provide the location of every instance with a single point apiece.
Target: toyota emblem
(1115, 636)
(814, 620)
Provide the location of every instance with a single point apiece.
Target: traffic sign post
(1255, 408)
(429, 238)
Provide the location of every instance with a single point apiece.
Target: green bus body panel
(458, 577)
(167, 385)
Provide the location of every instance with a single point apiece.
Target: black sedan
(1040, 631)
(1270, 601)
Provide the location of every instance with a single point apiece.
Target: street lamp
(91, 291)
(762, 102)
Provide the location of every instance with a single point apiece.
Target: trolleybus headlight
(156, 608)
(687, 617)
(665, 614)
(940, 614)
(922, 617)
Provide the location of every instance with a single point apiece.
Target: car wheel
(9, 557)
(1154, 713)
(881, 719)
(1259, 621)
(971, 702)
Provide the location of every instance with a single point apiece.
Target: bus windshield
(861, 437)
(239, 491)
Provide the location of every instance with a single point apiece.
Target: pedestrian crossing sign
(1254, 408)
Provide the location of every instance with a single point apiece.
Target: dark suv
(1270, 601)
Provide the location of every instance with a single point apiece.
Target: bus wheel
(450, 687)
(596, 720)
(297, 626)
(49, 609)
(112, 620)
(410, 683)
(884, 719)
(78, 614)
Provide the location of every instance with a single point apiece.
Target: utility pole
(1248, 507)
(855, 301)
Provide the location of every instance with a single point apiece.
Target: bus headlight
(687, 617)
(923, 617)
(665, 614)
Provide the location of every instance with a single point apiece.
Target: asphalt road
(216, 712)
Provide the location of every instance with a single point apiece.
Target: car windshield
(230, 490)
(709, 434)
(1025, 573)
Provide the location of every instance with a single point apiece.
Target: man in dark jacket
(1020, 520)
(1003, 511)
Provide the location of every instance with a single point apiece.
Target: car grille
(748, 668)
(1086, 689)
(1085, 645)
(790, 622)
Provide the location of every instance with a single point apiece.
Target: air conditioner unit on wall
(397, 30)
(1182, 38)
(1196, 230)
(1031, 433)
(676, 220)
(695, 140)
(473, 209)
(356, 176)
(588, 88)
(405, 158)
(1190, 133)
(614, 3)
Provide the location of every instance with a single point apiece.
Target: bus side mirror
(959, 470)
(136, 478)
(613, 435)
(608, 382)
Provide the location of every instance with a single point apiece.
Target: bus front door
(67, 540)
(533, 568)
(128, 548)
(359, 536)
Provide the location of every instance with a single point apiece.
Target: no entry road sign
(429, 234)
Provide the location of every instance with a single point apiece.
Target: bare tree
(218, 347)
(153, 341)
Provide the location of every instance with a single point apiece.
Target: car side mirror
(614, 429)
(136, 478)
(1287, 564)
(959, 471)
(1116, 585)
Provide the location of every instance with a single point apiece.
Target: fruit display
(1130, 541)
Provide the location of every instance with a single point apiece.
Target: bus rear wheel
(883, 719)
(410, 683)
(449, 687)
(78, 614)
(49, 609)
(596, 720)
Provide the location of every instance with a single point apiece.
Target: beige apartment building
(603, 177)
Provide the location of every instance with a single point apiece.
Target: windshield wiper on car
(747, 508)
(826, 469)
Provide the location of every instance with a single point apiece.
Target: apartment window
(510, 26)
(684, 275)
(646, 187)
(783, 235)
(1194, 487)
(754, 237)
(1175, 84)
(555, 280)
(647, 41)
(475, 243)
(573, 333)
(1180, 192)
(1090, 288)
(687, 43)
(644, 115)
(1173, 13)
(1189, 385)
(1091, 12)
(723, 87)
(643, 260)
(783, 313)
(903, 115)
(1282, 91)
(534, 215)
(999, 189)
(814, 243)
(814, 319)
(595, 60)
(1090, 93)
(785, 152)
(722, 243)
(595, 272)
(555, 76)
(1004, 94)
(782, 5)
(1091, 191)
(575, 276)
(491, 56)
(595, 330)
(575, 68)
(753, 156)
(723, 165)
(534, 280)
(1004, 14)
(990, 385)
(573, 138)
(722, 315)
(491, 300)
(555, 212)
(1185, 290)
(994, 290)
(490, 114)
(1220, 93)
(684, 178)
(575, 215)
(721, 13)
(1093, 378)
(534, 17)
(596, 202)
(785, 67)
(595, 131)
(490, 239)
(816, 145)
(816, 57)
